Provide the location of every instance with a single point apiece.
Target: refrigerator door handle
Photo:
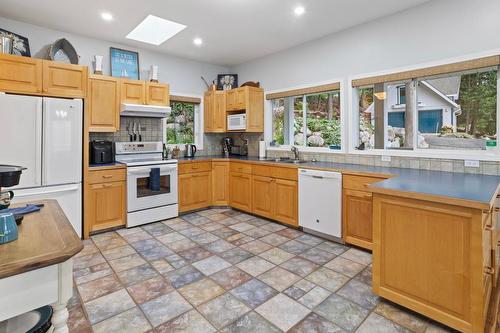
(46, 190)
(39, 141)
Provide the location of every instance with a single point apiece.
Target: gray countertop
(480, 189)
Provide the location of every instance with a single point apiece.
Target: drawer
(240, 167)
(105, 176)
(275, 172)
(359, 182)
(191, 167)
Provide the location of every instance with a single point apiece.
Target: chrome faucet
(295, 152)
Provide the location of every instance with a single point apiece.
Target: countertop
(471, 190)
(114, 165)
(45, 238)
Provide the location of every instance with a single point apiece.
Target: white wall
(182, 74)
(437, 30)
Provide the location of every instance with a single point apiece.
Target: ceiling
(233, 31)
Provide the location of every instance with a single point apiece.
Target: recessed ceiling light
(107, 16)
(155, 30)
(197, 41)
(299, 10)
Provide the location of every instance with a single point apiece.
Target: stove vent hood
(140, 110)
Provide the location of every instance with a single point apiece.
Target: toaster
(101, 152)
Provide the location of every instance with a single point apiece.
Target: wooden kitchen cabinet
(215, 111)
(157, 94)
(65, 80)
(105, 200)
(240, 191)
(357, 221)
(250, 100)
(357, 217)
(286, 202)
(20, 74)
(263, 196)
(220, 183)
(104, 103)
(133, 91)
(195, 190)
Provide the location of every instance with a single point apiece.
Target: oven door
(139, 194)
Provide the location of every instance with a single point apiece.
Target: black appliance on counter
(101, 152)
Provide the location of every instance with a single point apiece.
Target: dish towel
(154, 179)
(29, 208)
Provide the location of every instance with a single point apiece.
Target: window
(467, 122)
(401, 95)
(311, 120)
(383, 120)
(180, 123)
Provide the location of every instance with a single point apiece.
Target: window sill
(438, 154)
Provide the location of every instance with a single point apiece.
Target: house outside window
(424, 117)
(310, 120)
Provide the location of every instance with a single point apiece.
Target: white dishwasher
(320, 202)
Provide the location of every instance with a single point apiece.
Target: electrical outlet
(385, 158)
(471, 164)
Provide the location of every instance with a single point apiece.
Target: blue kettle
(8, 228)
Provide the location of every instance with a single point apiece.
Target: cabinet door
(286, 202)
(104, 104)
(64, 80)
(20, 74)
(231, 100)
(240, 195)
(241, 98)
(157, 94)
(220, 183)
(263, 195)
(133, 91)
(357, 218)
(255, 111)
(107, 205)
(219, 112)
(194, 191)
(208, 111)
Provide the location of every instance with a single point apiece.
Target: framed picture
(227, 81)
(124, 63)
(21, 46)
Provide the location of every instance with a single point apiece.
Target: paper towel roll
(262, 149)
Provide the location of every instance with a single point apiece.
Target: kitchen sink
(294, 161)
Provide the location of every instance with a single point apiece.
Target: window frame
(268, 119)
(398, 94)
(353, 116)
(198, 124)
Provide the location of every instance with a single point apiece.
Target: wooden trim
(305, 91)
(429, 71)
(185, 99)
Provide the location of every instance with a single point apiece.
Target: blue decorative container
(8, 228)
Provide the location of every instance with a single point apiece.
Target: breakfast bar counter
(36, 269)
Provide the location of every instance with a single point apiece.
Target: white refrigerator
(45, 135)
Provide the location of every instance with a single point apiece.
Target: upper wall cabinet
(157, 94)
(66, 80)
(133, 91)
(42, 77)
(215, 111)
(104, 103)
(20, 74)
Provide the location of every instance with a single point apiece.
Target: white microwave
(237, 122)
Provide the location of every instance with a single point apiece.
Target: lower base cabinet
(107, 206)
(220, 183)
(195, 191)
(286, 202)
(263, 194)
(357, 216)
(240, 191)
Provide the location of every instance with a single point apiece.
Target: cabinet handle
(107, 176)
(195, 167)
(489, 270)
(488, 228)
(107, 185)
(496, 209)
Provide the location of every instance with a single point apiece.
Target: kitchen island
(37, 268)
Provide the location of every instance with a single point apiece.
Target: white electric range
(145, 205)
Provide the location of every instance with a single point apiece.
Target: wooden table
(37, 268)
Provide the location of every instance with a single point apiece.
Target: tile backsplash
(436, 164)
(151, 130)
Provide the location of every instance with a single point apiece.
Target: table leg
(60, 315)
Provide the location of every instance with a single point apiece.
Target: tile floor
(222, 270)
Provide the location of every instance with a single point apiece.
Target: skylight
(155, 30)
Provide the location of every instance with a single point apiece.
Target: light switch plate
(385, 158)
(471, 164)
